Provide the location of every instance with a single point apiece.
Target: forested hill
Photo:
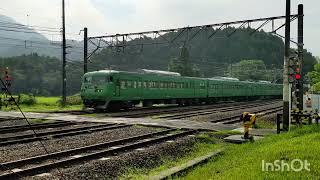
(211, 56)
(41, 75)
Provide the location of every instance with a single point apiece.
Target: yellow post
(248, 120)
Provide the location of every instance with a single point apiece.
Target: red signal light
(298, 76)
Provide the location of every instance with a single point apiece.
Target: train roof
(140, 71)
(156, 73)
(159, 72)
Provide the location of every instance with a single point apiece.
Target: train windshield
(98, 79)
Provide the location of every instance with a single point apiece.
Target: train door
(117, 86)
(140, 89)
(208, 87)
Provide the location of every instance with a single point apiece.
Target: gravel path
(12, 122)
(20, 151)
(114, 167)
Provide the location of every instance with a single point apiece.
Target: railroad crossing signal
(7, 77)
(295, 78)
(294, 69)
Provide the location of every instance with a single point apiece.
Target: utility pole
(286, 87)
(300, 56)
(85, 52)
(64, 53)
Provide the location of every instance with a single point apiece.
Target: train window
(111, 79)
(139, 84)
(98, 79)
(135, 84)
(87, 79)
(129, 84)
(122, 84)
(144, 84)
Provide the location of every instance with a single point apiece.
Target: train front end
(97, 89)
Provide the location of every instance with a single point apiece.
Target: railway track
(212, 111)
(14, 129)
(179, 110)
(236, 119)
(45, 163)
(4, 119)
(26, 138)
(159, 111)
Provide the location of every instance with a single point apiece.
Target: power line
(28, 32)
(23, 25)
(27, 28)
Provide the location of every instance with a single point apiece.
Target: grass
(44, 104)
(263, 123)
(41, 107)
(205, 145)
(245, 161)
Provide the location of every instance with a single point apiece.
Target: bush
(27, 99)
(74, 100)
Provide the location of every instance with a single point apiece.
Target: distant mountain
(13, 43)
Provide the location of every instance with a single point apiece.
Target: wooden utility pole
(300, 57)
(286, 86)
(85, 52)
(64, 53)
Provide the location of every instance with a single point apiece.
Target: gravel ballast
(149, 158)
(20, 151)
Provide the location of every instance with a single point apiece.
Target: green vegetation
(182, 64)
(254, 70)
(41, 75)
(30, 103)
(314, 76)
(245, 161)
(203, 147)
(27, 99)
(263, 123)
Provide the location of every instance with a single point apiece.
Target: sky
(121, 16)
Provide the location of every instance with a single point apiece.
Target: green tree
(314, 76)
(248, 70)
(182, 64)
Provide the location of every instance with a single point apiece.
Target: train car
(109, 89)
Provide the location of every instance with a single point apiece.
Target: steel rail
(11, 129)
(180, 109)
(182, 116)
(58, 134)
(207, 112)
(236, 118)
(93, 155)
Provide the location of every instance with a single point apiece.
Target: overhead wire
(29, 124)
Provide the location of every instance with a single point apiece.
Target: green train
(109, 89)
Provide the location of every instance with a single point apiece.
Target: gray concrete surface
(188, 124)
